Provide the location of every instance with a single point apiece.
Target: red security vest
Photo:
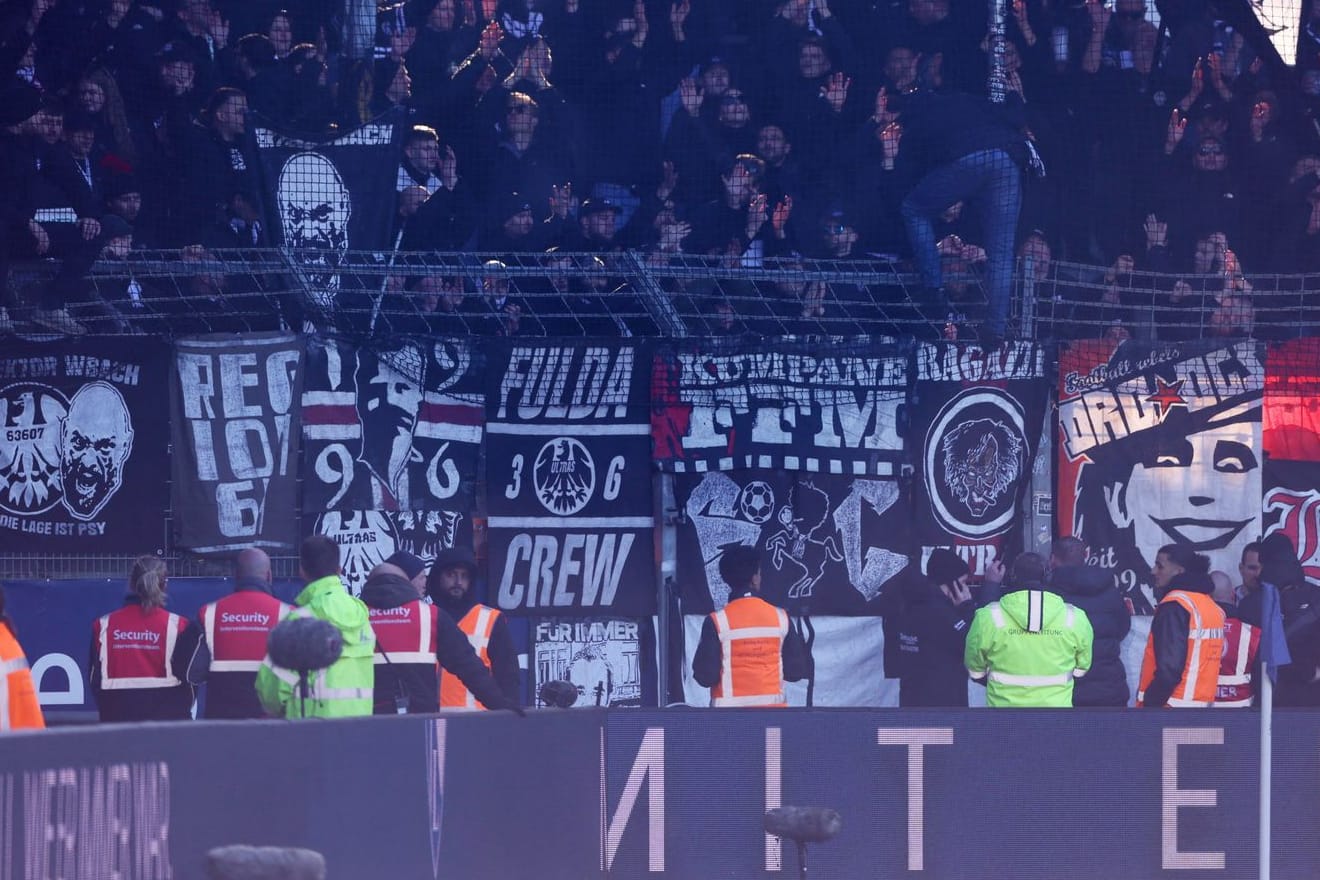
(477, 625)
(1205, 645)
(1241, 643)
(134, 647)
(19, 707)
(237, 628)
(751, 633)
(406, 633)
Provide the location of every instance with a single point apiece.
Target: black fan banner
(780, 405)
(235, 428)
(83, 445)
(976, 422)
(328, 199)
(366, 538)
(1159, 444)
(829, 544)
(568, 481)
(391, 428)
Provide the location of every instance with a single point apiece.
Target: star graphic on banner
(1167, 396)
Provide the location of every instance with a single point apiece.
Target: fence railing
(630, 293)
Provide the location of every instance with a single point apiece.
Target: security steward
(344, 689)
(1030, 645)
(227, 642)
(19, 707)
(452, 587)
(747, 649)
(932, 633)
(411, 638)
(136, 667)
(1186, 642)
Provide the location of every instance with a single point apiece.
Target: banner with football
(829, 544)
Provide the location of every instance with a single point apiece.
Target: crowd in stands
(760, 133)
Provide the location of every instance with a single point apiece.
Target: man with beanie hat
(412, 567)
(412, 638)
(450, 586)
(931, 633)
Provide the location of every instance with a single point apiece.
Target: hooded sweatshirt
(1092, 590)
(1029, 646)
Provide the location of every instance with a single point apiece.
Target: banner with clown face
(976, 423)
(83, 441)
(1160, 444)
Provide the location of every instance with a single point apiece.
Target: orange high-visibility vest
(751, 633)
(135, 647)
(477, 625)
(1241, 643)
(19, 707)
(1205, 646)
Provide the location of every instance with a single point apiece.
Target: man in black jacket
(407, 681)
(959, 147)
(1092, 590)
(931, 633)
(452, 586)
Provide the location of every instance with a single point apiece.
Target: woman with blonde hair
(134, 660)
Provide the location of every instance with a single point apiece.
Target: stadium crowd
(758, 133)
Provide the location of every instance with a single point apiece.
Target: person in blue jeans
(959, 147)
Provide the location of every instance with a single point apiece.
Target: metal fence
(630, 293)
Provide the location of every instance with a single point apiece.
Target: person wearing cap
(747, 648)
(419, 646)
(227, 641)
(28, 144)
(932, 633)
(413, 568)
(515, 230)
(451, 586)
(1029, 646)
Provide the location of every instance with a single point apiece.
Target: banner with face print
(328, 198)
(1291, 437)
(602, 658)
(235, 428)
(366, 538)
(83, 444)
(391, 428)
(1160, 444)
(568, 481)
(780, 405)
(976, 419)
(829, 544)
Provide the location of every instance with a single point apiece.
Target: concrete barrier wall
(633, 794)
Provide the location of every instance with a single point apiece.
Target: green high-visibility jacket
(1028, 647)
(345, 688)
